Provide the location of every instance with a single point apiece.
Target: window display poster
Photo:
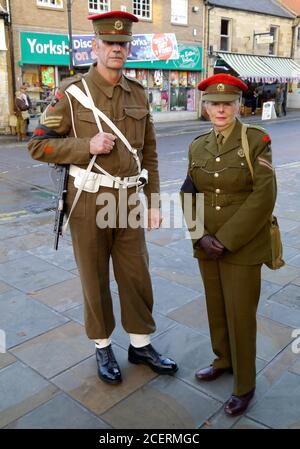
(191, 79)
(174, 81)
(183, 79)
(48, 76)
(141, 75)
(130, 72)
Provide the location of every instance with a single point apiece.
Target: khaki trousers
(232, 295)
(93, 248)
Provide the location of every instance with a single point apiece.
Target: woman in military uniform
(236, 238)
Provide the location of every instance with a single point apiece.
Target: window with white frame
(225, 35)
(273, 46)
(99, 6)
(143, 9)
(179, 11)
(59, 4)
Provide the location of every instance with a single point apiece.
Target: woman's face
(222, 114)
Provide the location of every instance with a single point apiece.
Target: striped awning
(262, 68)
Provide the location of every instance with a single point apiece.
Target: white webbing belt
(88, 102)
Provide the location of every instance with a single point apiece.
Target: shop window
(179, 12)
(98, 6)
(51, 3)
(143, 9)
(159, 90)
(182, 91)
(274, 30)
(225, 35)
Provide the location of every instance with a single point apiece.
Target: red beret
(223, 78)
(114, 14)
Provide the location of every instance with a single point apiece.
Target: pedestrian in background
(284, 99)
(278, 101)
(21, 111)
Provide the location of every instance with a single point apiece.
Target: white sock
(102, 343)
(139, 340)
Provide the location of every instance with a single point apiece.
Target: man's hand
(154, 219)
(212, 247)
(102, 143)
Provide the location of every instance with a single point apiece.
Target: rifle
(61, 175)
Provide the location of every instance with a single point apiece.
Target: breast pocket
(238, 174)
(135, 124)
(86, 125)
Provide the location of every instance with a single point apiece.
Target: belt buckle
(116, 183)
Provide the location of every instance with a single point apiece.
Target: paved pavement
(48, 374)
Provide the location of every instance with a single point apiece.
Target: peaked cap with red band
(222, 87)
(114, 26)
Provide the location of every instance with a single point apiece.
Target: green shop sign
(44, 49)
(190, 58)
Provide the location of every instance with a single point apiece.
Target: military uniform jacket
(125, 104)
(237, 209)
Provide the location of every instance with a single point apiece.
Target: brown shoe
(211, 373)
(238, 404)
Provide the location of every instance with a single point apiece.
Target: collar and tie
(220, 139)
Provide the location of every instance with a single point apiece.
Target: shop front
(44, 64)
(269, 78)
(169, 72)
(171, 84)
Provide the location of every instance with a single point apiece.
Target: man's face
(222, 114)
(111, 55)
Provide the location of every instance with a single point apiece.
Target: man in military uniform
(123, 101)
(236, 237)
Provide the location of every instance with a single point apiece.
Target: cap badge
(118, 25)
(241, 153)
(220, 87)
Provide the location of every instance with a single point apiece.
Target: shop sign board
(268, 111)
(190, 58)
(44, 49)
(144, 47)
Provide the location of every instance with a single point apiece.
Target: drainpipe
(11, 47)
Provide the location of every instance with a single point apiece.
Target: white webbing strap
(87, 102)
(92, 161)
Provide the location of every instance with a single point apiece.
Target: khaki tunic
(236, 211)
(54, 142)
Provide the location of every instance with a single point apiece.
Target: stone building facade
(42, 25)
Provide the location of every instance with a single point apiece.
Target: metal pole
(69, 8)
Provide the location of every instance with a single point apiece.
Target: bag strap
(245, 145)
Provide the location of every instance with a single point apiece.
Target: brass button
(218, 207)
(218, 159)
(216, 175)
(218, 191)
(242, 164)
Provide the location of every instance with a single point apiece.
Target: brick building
(41, 57)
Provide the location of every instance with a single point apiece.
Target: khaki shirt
(236, 209)
(125, 104)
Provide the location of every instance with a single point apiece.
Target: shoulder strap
(87, 102)
(245, 145)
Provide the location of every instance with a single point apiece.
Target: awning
(262, 68)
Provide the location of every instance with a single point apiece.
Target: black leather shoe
(236, 405)
(108, 368)
(147, 355)
(211, 373)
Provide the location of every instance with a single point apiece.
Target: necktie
(220, 139)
